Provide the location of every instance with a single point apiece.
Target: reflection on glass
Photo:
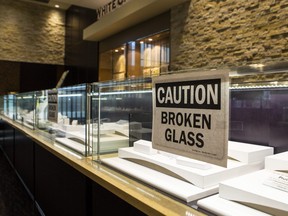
(118, 63)
(145, 57)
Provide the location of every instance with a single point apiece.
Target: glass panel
(119, 63)
(70, 130)
(122, 113)
(149, 56)
(8, 108)
(105, 66)
(113, 64)
(145, 57)
(258, 106)
(25, 109)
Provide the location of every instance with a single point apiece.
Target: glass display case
(25, 109)
(8, 105)
(122, 110)
(259, 105)
(63, 116)
(121, 113)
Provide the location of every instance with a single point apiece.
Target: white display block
(121, 128)
(193, 163)
(219, 206)
(72, 128)
(248, 153)
(108, 142)
(144, 146)
(111, 142)
(186, 161)
(203, 178)
(71, 144)
(251, 190)
(173, 186)
(277, 162)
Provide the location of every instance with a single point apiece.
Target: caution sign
(190, 115)
(53, 106)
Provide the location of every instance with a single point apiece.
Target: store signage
(109, 7)
(53, 105)
(190, 115)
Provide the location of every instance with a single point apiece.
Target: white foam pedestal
(204, 177)
(250, 189)
(178, 188)
(220, 206)
(71, 144)
(248, 153)
(277, 162)
(109, 142)
(199, 176)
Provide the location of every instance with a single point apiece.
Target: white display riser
(219, 206)
(203, 178)
(277, 162)
(251, 190)
(108, 143)
(248, 153)
(173, 186)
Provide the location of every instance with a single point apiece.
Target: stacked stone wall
(31, 33)
(220, 33)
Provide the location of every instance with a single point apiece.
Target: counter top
(145, 198)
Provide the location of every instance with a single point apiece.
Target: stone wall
(31, 33)
(219, 33)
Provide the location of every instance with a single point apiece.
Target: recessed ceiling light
(116, 50)
(141, 42)
(150, 39)
(57, 6)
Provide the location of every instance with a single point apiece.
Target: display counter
(81, 149)
(140, 196)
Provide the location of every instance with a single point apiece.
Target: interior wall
(9, 83)
(218, 33)
(81, 57)
(31, 33)
(39, 76)
(32, 43)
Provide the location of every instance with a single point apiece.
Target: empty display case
(25, 109)
(63, 116)
(259, 105)
(8, 105)
(121, 113)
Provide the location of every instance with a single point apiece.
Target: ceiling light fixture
(57, 6)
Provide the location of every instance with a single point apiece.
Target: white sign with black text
(109, 7)
(190, 115)
(53, 105)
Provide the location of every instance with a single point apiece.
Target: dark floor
(14, 199)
